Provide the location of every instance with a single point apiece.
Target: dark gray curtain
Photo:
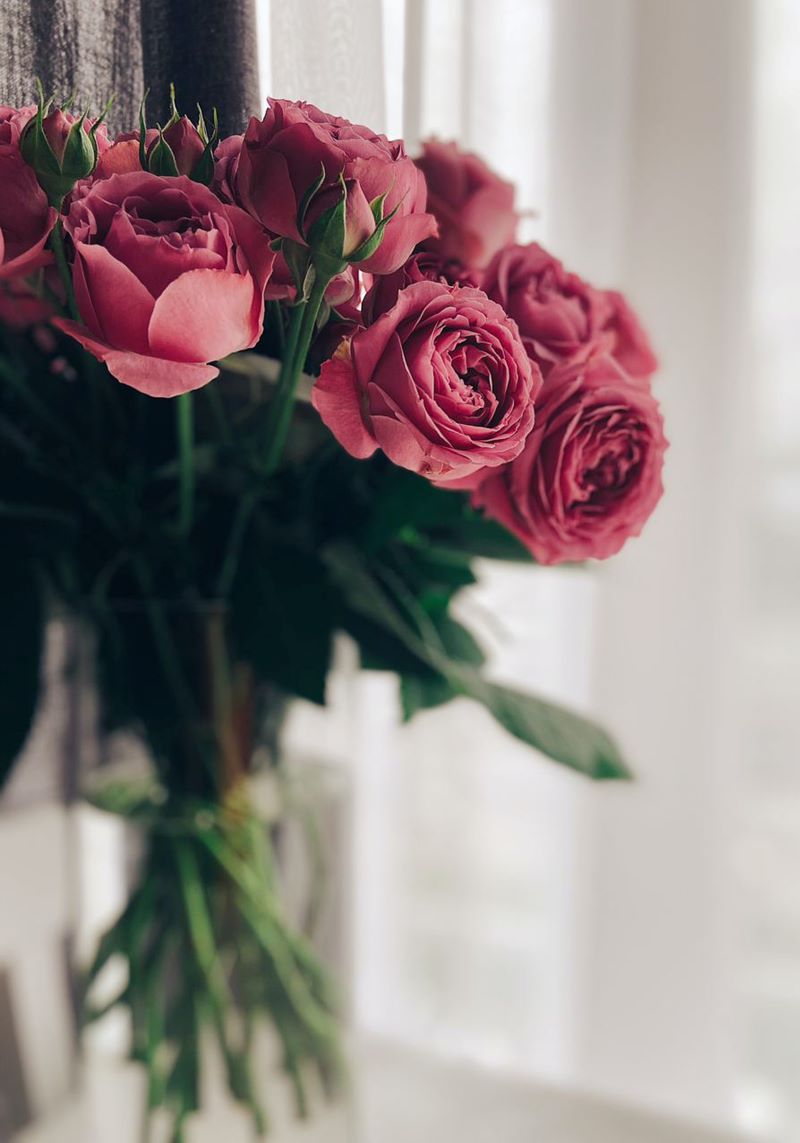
(96, 47)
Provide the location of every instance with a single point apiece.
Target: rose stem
(57, 242)
(301, 332)
(185, 419)
(279, 414)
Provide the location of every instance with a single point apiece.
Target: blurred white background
(642, 941)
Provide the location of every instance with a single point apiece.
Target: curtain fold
(208, 49)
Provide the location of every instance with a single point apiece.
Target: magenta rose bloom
(427, 266)
(473, 206)
(440, 382)
(167, 279)
(590, 473)
(560, 317)
(26, 217)
(282, 157)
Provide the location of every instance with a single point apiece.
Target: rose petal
(203, 316)
(151, 375)
(337, 399)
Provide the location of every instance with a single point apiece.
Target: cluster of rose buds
(477, 362)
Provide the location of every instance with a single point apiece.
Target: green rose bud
(61, 147)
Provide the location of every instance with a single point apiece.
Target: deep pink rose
(560, 317)
(627, 339)
(167, 279)
(281, 159)
(12, 124)
(26, 217)
(473, 206)
(440, 382)
(427, 266)
(590, 473)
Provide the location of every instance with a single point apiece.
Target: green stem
(185, 418)
(57, 243)
(301, 333)
(279, 415)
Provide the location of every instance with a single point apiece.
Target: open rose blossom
(590, 473)
(473, 206)
(561, 317)
(440, 382)
(283, 155)
(26, 217)
(167, 279)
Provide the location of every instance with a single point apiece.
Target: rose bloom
(427, 266)
(473, 206)
(283, 155)
(440, 382)
(590, 473)
(561, 317)
(26, 217)
(167, 279)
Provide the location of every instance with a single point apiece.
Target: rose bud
(473, 206)
(167, 279)
(298, 154)
(589, 475)
(62, 149)
(26, 216)
(440, 382)
(427, 266)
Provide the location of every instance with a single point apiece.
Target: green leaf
(562, 735)
(22, 622)
(417, 693)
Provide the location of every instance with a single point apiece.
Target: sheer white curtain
(644, 941)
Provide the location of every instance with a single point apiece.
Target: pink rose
(473, 206)
(167, 279)
(427, 266)
(12, 124)
(26, 217)
(283, 155)
(560, 316)
(627, 340)
(590, 473)
(440, 382)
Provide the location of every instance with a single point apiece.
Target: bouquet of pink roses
(371, 384)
